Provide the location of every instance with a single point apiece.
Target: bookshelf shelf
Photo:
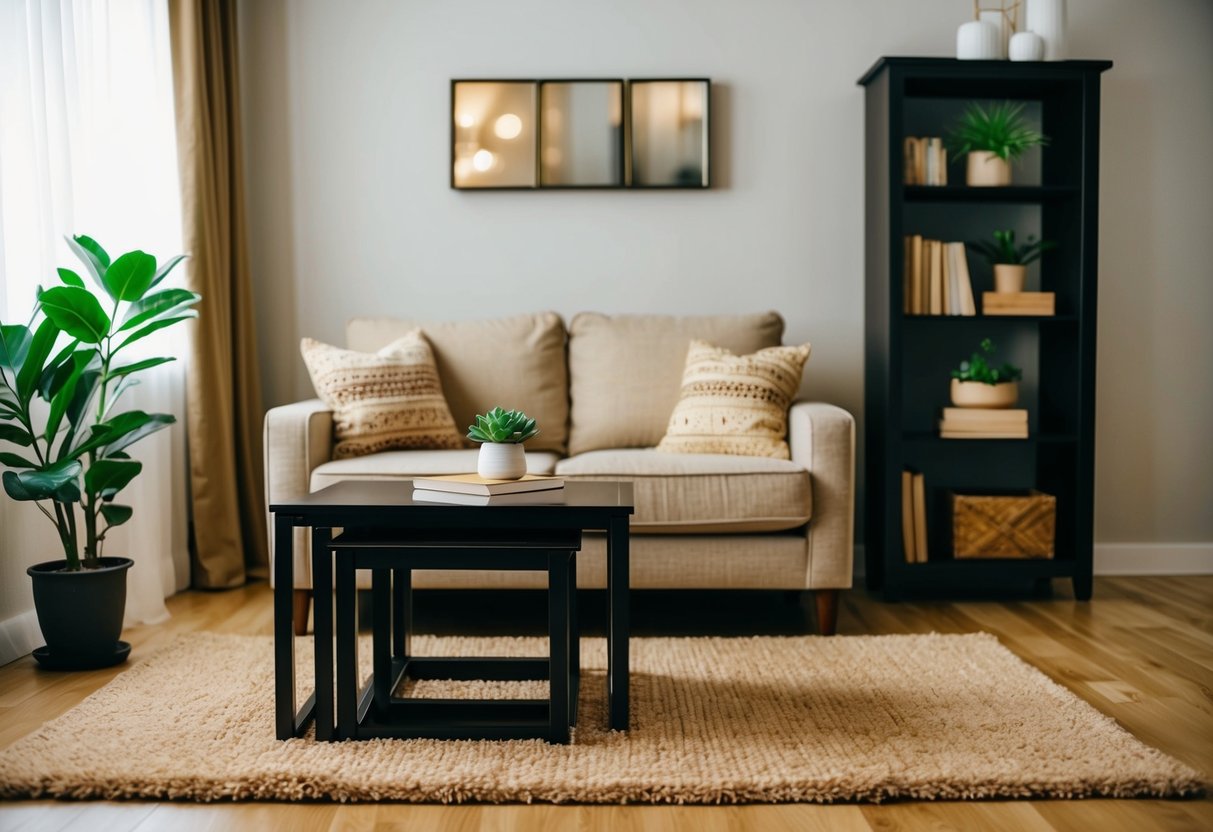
(907, 357)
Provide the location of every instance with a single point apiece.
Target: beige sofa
(602, 391)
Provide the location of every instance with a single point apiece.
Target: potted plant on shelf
(1010, 261)
(978, 384)
(72, 456)
(992, 139)
(501, 434)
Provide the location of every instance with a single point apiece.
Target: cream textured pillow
(735, 404)
(391, 399)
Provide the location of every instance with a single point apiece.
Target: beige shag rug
(715, 720)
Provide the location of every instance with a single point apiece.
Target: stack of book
(935, 278)
(975, 423)
(926, 161)
(913, 516)
(1018, 303)
(475, 490)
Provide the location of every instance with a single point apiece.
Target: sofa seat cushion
(403, 465)
(702, 493)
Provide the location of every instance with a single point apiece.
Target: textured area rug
(714, 720)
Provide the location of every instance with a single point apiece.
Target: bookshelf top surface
(967, 69)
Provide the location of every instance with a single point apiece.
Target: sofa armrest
(822, 439)
(298, 438)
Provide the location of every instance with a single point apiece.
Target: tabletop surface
(398, 494)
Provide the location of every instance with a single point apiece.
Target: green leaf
(15, 435)
(155, 325)
(123, 430)
(15, 340)
(92, 254)
(79, 363)
(31, 367)
(106, 477)
(70, 278)
(154, 306)
(130, 275)
(14, 461)
(58, 481)
(155, 422)
(77, 312)
(145, 364)
(116, 515)
(56, 372)
(163, 271)
(86, 388)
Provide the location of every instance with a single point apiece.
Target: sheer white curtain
(87, 146)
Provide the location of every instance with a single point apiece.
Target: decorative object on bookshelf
(926, 161)
(992, 139)
(1038, 304)
(1018, 525)
(977, 40)
(935, 278)
(1026, 46)
(977, 384)
(501, 434)
(1047, 18)
(979, 423)
(914, 516)
(1010, 261)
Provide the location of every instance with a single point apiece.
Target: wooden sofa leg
(303, 605)
(827, 611)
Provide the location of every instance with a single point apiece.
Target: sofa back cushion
(517, 363)
(626, 370)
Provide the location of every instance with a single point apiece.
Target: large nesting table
(362, 508)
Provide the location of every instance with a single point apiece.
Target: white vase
(1047, 18)
(1027, 46)
(999, 21)
(501, 461)
(977, 40)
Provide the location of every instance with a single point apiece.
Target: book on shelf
(935, 278)
(977, 423)
(924, 161)
(456, 498)
(919, 499)
(909, 547)
(1018, 303)
(476, 484)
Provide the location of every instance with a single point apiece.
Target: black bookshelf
(908, 358)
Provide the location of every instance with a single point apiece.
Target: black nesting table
(388, 507)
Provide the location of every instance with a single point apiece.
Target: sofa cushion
(517, 363)
(403, 465)
(625, 370)
(735, 404)
(702, 493)
(382, 400)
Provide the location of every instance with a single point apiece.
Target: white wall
(347, 127)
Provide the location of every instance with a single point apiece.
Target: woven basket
(1003, 526)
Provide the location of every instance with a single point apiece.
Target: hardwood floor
(1141, 652)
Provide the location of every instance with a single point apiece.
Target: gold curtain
(224, 388)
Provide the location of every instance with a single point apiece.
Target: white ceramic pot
(982, 395)
(999, 21)
(978, 40)
(985, 170)
(1009, 278)
(501, 461)
(1047, 18)
(1027, 46)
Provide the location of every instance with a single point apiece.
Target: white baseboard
(1154, 558)
(1134, 559)
(19, 636)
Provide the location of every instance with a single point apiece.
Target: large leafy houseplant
(62, 377)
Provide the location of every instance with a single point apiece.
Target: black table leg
(284, 631)
(322, 614)
(558, 646)
(402, 612)
(574, 642)
(618, 578)
(347, 646)
(381, 647)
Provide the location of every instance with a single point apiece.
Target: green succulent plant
(978, 368)
(1004, 250)
(503, 426)
(1000, 130)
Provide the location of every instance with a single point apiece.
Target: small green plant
(498, 425)
(978, 368)
(1004, 251)
(1000, 130)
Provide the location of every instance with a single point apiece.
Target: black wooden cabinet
(1055, 195)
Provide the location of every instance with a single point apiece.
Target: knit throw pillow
(735, 404)
(386, 400)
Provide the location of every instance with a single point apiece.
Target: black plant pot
(80, 614)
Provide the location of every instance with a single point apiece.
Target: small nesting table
(387, 508)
